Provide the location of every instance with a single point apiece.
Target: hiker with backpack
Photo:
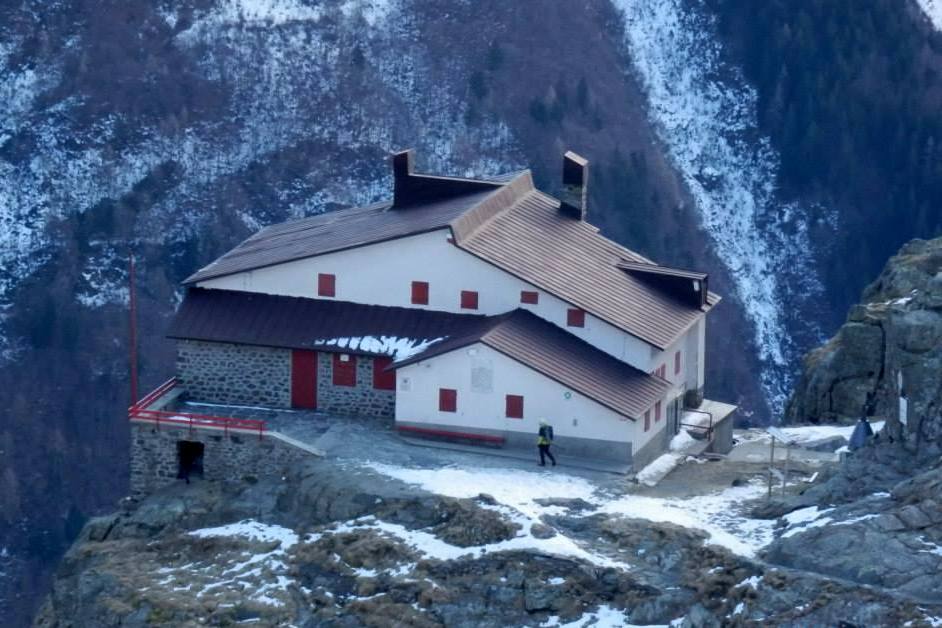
(543, 442)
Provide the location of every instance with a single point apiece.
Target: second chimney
(403, 164)
(574, 199)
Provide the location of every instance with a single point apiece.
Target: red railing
(140, 411)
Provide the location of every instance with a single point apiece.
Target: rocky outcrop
(336, 545)
(891, 343)
(887, 539)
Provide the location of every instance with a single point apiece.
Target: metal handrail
(709, 429)
(193, 420)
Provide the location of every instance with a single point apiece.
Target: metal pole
(788, 454)
(771, 463)
(132, 341)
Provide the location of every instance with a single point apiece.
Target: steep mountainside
(174, 129)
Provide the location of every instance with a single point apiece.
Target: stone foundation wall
(154, 460)
(218, 372)
(360, 400)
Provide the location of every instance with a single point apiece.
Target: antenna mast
(132, 341)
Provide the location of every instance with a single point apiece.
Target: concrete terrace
(343, 437)
(377, 440)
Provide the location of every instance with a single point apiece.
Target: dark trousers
(544, 451)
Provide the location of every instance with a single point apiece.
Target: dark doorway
(190, 459)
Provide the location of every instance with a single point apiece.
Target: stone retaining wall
(361, 400)
(234, 456)
(219, 372)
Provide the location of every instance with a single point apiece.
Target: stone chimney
(574, 199)
(403, 164)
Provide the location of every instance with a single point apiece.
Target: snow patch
(715, 514)
(804, 519)
(260, 576)
(288, 73)
(399, 348)
(658, 468)
(252, 530)
(682, 440)
(430, 546)
(933, 11)
(254, 13)
(373, 12)
(807, 433)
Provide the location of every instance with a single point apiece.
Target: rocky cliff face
(335, 545)
(890, 344)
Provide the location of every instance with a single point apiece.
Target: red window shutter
(677, 363)
(575, 317)
(420, 293)
(383, 379)
(657, 411)
(529, 297)
(469, 300)
(345, 370)
(326, 285)
(647, 420)
(514, 406)
(447, 400)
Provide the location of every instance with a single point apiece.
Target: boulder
(542, 531)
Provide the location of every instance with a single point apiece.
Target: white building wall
(482, 381)
(382, 274)
(695, 348)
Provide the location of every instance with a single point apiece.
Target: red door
(303, 379)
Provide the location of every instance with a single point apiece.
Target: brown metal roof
(511, 225)
(336, 231)
(570, 259)
(559, 355)
(299, 323)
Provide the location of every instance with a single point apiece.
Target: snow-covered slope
(298, 74)
(705, 113)
(933, 10)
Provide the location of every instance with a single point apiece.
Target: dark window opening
(189, 459)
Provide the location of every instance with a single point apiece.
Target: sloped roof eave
(593, 311)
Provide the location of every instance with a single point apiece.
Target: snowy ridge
(291, 78)
(705, 114)
(933, 11)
